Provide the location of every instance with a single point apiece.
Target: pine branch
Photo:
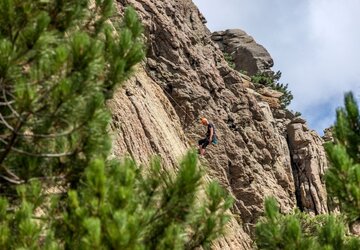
(12, 181)
(27, 134)
(6, 103)
(13, 177)
(3, 121)
(11, 141)
(45, 155)
(9, 104)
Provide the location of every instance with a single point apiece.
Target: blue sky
(314, 43)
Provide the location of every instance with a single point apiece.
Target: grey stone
(308, 163)
(298, 120)
(248, 55)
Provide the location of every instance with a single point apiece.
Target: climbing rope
(215, 142)
(176, 103)
(190, 141)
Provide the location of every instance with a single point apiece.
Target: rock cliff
(309, 164)
(248, 55)
(262, 150)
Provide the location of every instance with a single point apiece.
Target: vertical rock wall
(309, 164)
(308, 157)
(183, 78)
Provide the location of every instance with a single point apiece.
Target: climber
(209, 138)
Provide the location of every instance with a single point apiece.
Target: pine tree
(119, 205)
(59, 61)
(124, 208)
(277, 231)
(343, 176)
(271, 80)
(298, 231)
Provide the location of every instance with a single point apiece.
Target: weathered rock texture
(309, 163)
(247, 54)
(185, 77)
(145, 123)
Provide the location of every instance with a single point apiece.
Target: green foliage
(347, 127)
(133, 210)
(19, 227)
(244, 72)
(59, 61)
(210, 219)
(300, 231)
(266, 79)
(120, 206)
(229, 59)
(277, 231)
(343, 175)
(271, 79)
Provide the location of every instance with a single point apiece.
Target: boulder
(248, 55)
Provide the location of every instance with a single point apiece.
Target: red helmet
(203, 121)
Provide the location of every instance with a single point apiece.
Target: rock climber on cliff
(209, 138)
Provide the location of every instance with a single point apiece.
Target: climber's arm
(211, 134)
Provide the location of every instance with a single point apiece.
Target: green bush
(229, 59)
(298, 231)
(343, 175)
(59, 62)
(119, 205)
(271, 80)
(129, 209)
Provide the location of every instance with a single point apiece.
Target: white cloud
(315, 43)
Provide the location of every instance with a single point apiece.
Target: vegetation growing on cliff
(271, 80)
(228, 58)
(300, 231)
(267, 79)
(59, 62)
(277, 231)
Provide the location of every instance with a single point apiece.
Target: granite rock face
(185, 77)
(247, 54)
(309, 164)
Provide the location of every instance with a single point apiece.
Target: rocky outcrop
(247, 54)
(184, 77)
(267, 95)
(328, 135)
(309, 164)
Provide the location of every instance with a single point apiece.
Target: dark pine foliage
(59, 62)
(271, 80)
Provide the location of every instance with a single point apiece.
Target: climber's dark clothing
(206, 141)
